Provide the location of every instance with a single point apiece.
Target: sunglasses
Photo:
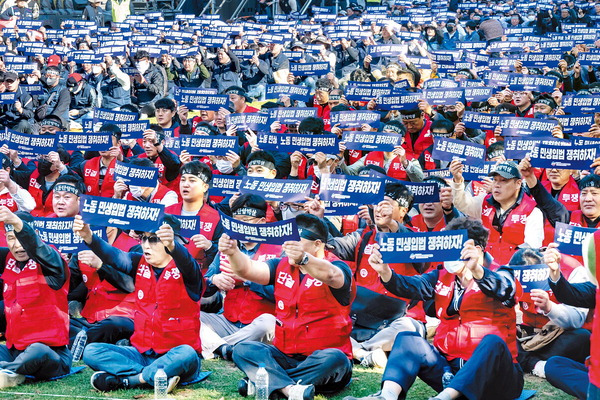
(151, 239)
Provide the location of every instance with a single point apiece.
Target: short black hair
(141, 162)
(260, 155)
(527, 257)
(131, 108)
(313, 224)
(165, 103)
(400, 193)
(312, 126)
(72, 179)
(474, 227)
(196, 168)
(112, 128)
(444, 124)
(249, 200)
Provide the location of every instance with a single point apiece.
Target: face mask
(142, 66)
(136, 191)
(31, 80)
(224, 166)
(44, 167)
(452, 115)
(52, 81)
(96, 70)
(454, 266)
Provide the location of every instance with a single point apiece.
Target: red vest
(42, 208)
(354, 156)
(490, 138)
(366, 276)
(309, 318)
(91, 178)
(35, 313)
(530, 316)
(158, 196)
(350, 223)
(103, 299)
(174, 184)
(458, 335)
(424, 140)
(6, 200)
(594, 361)
(502, 246)
(419, 225)
(165, 315)
(305, 171)
(569, 197)
(209, 219)
(243, 305)
(125, 242)
(395, 170)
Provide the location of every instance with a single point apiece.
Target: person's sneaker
(123, 342)
(10, 378)
(225, 351)
(172, 383)
(105, 382)
(245, 387)
(302, 392)
(375, 358)
(375, 396)
(539, 369)
(447, 379)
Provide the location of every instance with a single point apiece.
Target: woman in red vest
(248, 308)
(313, 293)
(168, 286)
(474, 351)
(35, 302)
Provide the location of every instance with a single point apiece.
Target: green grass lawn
(222, 384)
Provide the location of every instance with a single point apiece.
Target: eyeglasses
(151, 239)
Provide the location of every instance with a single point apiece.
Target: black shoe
(105, 382)
(225, 351)
(243, 385)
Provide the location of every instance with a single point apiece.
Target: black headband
(310, 235)
(65, 187)
(51, 122)
(402, 202)
(250, 212)
(262, 163)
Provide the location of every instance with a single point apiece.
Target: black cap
(11, 75)
(507, 170)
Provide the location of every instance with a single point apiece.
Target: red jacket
(103, 299)
(503, 245)
(165, 315)
(309, 318)
(91, 178)
(395, 170)
(42, 208)
(35, 313)
(424, 140)
(458, 335)
(244, 305)
(569, 197)
(594, 361)
(367, 277)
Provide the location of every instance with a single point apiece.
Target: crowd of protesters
(307, 309)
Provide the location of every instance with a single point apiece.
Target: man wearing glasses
(524, 103)
(168, 287)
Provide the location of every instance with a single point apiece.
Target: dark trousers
(574, 344)
(329, 370)
(38, 360)
(569, 376)
(109, 330)
(489, 368)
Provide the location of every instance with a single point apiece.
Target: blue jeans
(126, 361)
(593, 393)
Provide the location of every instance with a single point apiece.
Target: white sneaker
(173, 381)
(301, 392)
(10, 378)
(375, 358)
(539, 369)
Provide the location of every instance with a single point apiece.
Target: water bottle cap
(261, 365)
(160, 366)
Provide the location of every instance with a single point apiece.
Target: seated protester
(474, 350)
(20, 11)
(37, 327)
(255, 72)
(169, 284)
(509, 213)
(225, 69)
(395, 163)
(312, 337)
(148, 83)
(164, 159)
(379, 315)
(165, 112)
(193, 188)
(248, 308)
(192, 74)
(189, 127)
(301, 166)
(524, 103)
(114, 87)
(41, 180)
(98, 173)
(433, 217)
(159, 194)
(56, 98)
(563, 187)
(544, 105)
(19, 115)
(443, 128)
(239, 99)
(83, 98)
(321, 101)
(106, 294)
(540, 310)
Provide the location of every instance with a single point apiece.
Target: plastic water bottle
(262, 383)
(160, 383)
(79, 345)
